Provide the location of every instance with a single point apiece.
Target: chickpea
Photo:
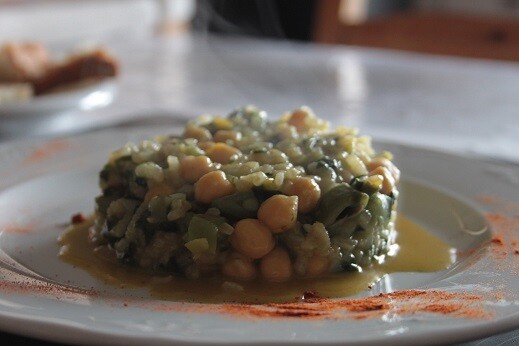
(388, 181)
(298, 119)
(317, 265)
(307, 192)
(212, 185)
(227, 135)
(276, 265)
(158, 190)
(239, 267)
(252, 238)
(286, 132)
(383, 162)
(193, 168)
(222, 123)
(278, 213)
(205, 145)
(222, 153)
(199, 133)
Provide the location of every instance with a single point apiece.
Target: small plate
(82, 97)
(470, 204)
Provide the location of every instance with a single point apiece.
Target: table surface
(449, 104)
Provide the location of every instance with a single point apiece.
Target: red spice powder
(515, 244)
(46, 150)
(404, 302)
(498, 240)
(442, 308)
(16, 229)
(504, 250)
(487, 199)
(77, 218)
(33, 287)
(504, 242)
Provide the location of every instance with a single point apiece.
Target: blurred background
(480, 29)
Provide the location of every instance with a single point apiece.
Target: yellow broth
(416, 251)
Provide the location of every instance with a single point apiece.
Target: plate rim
(59, 101)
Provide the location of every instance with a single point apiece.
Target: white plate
(44, 183)
(86, 97)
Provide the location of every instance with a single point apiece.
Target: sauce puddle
(418, 251)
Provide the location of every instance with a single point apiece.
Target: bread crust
(96, 64)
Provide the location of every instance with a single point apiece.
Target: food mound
(247, 198)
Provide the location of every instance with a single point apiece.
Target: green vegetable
(380, 206)
(159, 207)
(201, 228)
(339, 202)
(197, 246)
(249, 115)
(364, 184)
(347, 225)
(240, 205)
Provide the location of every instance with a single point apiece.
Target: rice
(245, 197)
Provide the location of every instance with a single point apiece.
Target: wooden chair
(424, 32)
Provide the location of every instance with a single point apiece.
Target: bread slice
(23, 62)
(95, 64)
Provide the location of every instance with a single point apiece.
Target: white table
(449, 104)
(445, 103)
